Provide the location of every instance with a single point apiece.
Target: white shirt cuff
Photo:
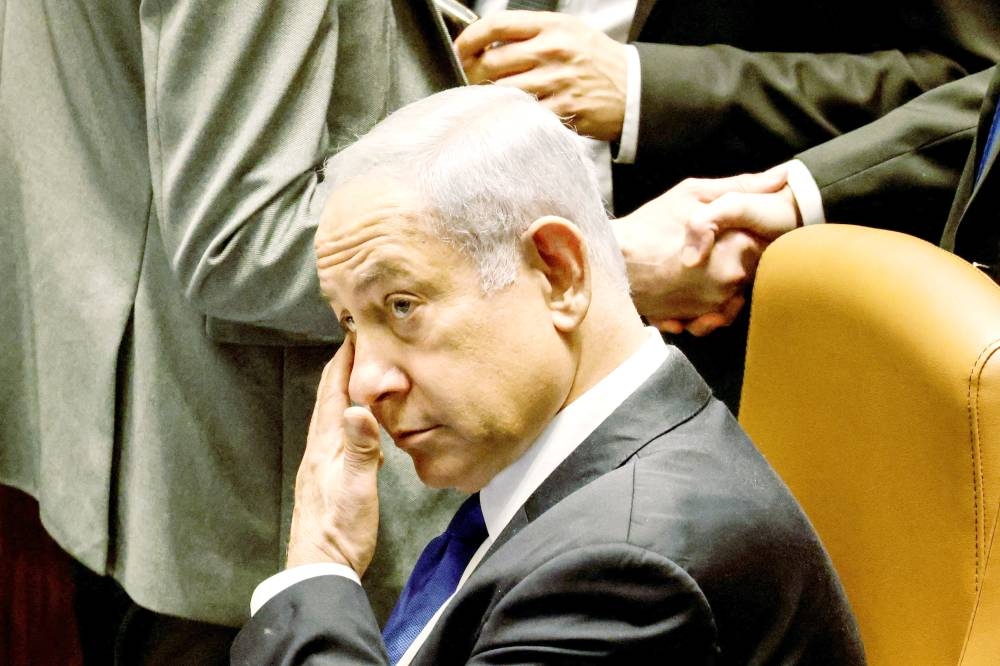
(633, 91)
(806, 193)
(283, 580)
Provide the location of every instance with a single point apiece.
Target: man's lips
(410, 437)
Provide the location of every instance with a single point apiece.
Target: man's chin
(433, 476)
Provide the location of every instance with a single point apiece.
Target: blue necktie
(988, 147)
(435, 577)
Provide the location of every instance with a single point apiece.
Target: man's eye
(400, 307)
(347, 323)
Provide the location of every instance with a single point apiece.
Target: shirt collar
(508, 490)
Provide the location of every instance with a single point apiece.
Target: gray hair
(487, 161)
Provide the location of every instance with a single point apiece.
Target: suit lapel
(431, 23)
(674, 394)
(642, 10)
(982, 137)
(670, 397)
(968, 185)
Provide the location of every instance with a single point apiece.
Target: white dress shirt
(508, 490)
(806, 193)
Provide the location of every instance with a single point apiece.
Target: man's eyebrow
(379, 271)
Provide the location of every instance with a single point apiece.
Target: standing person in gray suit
(160, 183)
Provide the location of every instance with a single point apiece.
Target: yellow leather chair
(873, 387)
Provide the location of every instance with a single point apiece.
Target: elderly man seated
(618, 514)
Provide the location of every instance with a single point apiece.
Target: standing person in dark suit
(724, 86)
(927, 169)
(160, 184)
(619, 513)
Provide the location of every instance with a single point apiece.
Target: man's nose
(374, 377)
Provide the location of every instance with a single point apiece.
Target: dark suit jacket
(664, 536)
(908, 169)
(728, 86)
(973, 228)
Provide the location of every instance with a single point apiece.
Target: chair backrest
(873, 387)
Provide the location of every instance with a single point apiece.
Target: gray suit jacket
(160, 181)
(665, 537)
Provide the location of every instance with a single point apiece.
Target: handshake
(691, 251)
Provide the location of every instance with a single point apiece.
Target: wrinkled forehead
(369, 227)
(365, 201)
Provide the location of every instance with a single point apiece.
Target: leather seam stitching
(972, 404)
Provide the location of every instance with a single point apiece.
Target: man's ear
(557, 250)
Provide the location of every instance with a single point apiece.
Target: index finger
(764, 182)
(507, 26)
(331, 394)
(709, 322)
(768, 215)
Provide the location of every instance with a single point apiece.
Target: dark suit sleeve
(730, 87)
(320, 621)
(607, 604)
(902, 171)
(716, 109)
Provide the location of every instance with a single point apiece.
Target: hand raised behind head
(335, 518)
(576, 71)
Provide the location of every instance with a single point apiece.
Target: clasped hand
(691, 252)
(336, 512)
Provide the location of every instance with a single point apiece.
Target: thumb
(362, 447)
(699, 238)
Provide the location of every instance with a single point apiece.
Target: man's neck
(608, 337)
(509, 489)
